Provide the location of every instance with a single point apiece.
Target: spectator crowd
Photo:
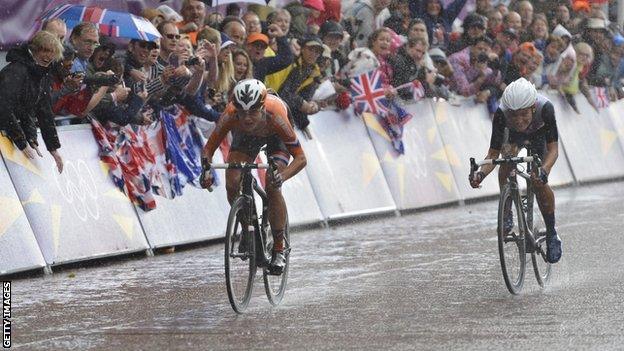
(455, 49)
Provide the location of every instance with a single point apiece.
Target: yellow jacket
(275, 80)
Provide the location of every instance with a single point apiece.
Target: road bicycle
(518, 234)
(249, 243)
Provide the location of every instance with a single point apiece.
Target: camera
(192, 61)
(100, 79)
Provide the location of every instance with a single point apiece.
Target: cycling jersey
(280, 137)
(542, 130)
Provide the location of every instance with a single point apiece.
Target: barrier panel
(78, 214)
(465, 131)
(616, 114)
(590, 140)
(343, 168)
(299, 197)
(196, 215)
(19, 250)
(422, 176)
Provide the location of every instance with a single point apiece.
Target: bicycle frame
(249, 184)
(526, 201)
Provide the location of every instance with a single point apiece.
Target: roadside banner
(421, 177)
(590, 140)
(78, 214)
(343, 168)
(19, 250)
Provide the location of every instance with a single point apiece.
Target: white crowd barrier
(78, 214)
(18, 247)
(342, 166)
(197, 215)
(49, 219)
(617, 118)
(422, 176)
(465, 131)
(590, 140)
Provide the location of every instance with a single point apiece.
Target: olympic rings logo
(77, 186)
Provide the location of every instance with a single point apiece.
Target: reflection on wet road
(422, 281)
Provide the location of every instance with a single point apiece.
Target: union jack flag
(368, 96)
(368, 93)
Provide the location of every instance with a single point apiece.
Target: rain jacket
(25, 100)
(298, 85)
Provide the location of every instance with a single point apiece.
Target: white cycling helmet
(519, 94)
(249, 94)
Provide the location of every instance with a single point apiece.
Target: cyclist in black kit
(527, 120)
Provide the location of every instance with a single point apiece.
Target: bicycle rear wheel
(240, 266)
(275, 285)
(511, 240)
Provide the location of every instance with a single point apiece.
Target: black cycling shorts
(535, 142)
(251, 145)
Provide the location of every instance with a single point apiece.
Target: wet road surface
(429, 280)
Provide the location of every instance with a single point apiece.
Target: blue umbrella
(110, 23)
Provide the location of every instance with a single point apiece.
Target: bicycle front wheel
(511, 240)
(275, 285)
(240, 266)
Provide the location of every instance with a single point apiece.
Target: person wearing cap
(472, 74)
(563, 71)
(526, 119)
(225, 81)
(441, 64)
(474, 27)
(332, 35)
(332, 11)
(300, 81)
(257, 43)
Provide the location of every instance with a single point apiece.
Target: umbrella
(110, 23)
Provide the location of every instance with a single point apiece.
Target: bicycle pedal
(275, 270)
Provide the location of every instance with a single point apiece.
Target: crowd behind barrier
(48, 220)
(389, 99)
